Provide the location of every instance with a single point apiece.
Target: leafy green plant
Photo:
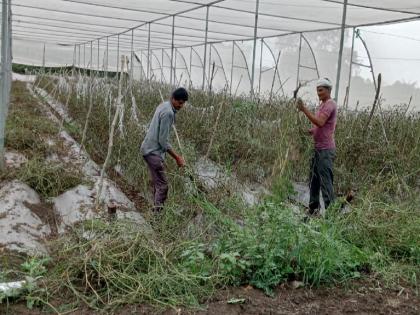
(273, 245)
(36, 266)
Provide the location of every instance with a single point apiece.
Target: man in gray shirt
(156, 144)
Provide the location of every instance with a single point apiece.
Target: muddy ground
(357, 298)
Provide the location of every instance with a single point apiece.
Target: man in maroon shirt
(324, 122)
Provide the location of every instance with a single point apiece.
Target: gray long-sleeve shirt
(156, 140)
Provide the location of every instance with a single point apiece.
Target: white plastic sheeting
(94, 34)
(62, 24)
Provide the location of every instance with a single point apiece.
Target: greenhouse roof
(76, 22)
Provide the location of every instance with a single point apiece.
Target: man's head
(323, 88)
(179, 97)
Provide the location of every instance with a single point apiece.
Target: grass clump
(122, 264)
(391, 232)
(27, 132)
(49, 179)
(27, 129)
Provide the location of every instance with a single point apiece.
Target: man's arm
(179, 159)
(317, 121)
(166, 122)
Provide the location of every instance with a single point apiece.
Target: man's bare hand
(299, 104)
(180, 161)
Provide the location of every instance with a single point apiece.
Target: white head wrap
(324, 82)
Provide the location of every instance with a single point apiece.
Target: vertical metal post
(231, 69)
(74, 56)
(132, 57)
(175, 57)
(161, 69)
(210, 74)
(340, 53)
(149, 60)
(98, 59)
(259, 78)
(84, 56)
(43, 57)
(79, 57)
(6, 73)
(172, 49)
(190, 67)
(107, 56)
(73, 70)
(298, 65)
(255, 46)
(118, 55)
(205, 47)
(91, 58)
(350, 69)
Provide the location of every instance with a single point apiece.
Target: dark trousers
(321, 178)
(160, 183)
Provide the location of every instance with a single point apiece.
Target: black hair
(180, 94)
